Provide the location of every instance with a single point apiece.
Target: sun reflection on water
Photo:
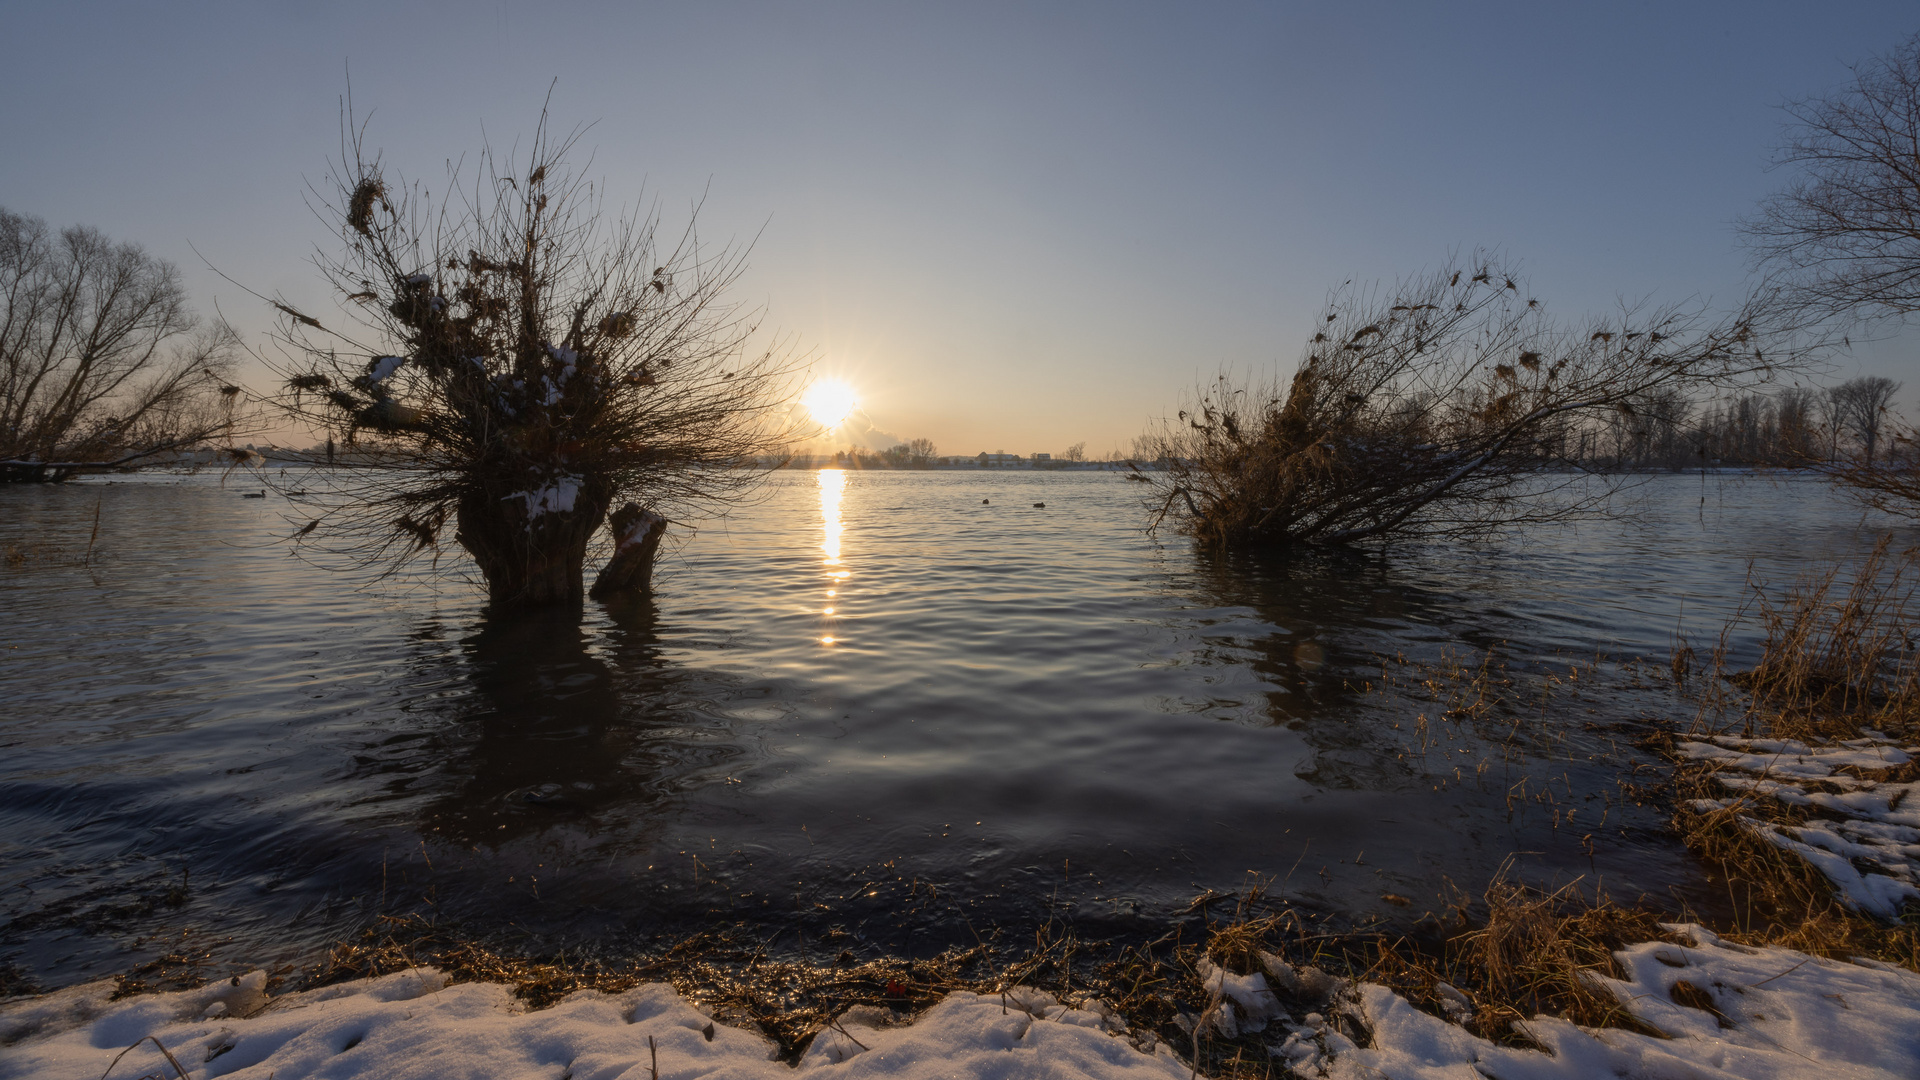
(833, 483)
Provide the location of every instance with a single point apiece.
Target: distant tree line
(1793, 427)
(913, 454)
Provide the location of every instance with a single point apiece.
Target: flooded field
(892, 710)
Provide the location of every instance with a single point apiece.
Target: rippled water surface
(909, 705)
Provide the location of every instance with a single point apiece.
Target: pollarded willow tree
(518, 362)
(1450, 406)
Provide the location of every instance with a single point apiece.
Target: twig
(163, 1050)
(835, 1025)
(1789, 971)
(95, 535)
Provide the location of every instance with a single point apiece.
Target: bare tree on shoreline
(1844, 237)
(1842, 241)
(1863, 405)
(102, 364)
(521, 362)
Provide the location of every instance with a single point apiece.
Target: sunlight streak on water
(833, 487)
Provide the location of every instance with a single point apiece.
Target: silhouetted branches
(519, 361)
(1450, 406)
(1845, 234)
(102, 364)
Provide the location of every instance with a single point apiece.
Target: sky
(1011, 227)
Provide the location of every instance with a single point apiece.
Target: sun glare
(830, 402)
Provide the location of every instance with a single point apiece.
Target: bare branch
(1843, 237)
(101, 362)
(1452, 405)
(522, 361)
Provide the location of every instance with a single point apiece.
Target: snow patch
(382, 367)
(413, 1027)
(1776, 1013)
(637, 531)
(1866, 839)
(556, 497)
(1781, 1014)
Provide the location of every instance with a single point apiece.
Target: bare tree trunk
(637, 536)
(531, 555)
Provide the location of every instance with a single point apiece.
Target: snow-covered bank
(413, 1025)
(1865, 832)
(1774, 1014)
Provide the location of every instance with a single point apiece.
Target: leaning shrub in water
(517, 362)
(1451, 405)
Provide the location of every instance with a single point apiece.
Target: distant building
(1000, 461)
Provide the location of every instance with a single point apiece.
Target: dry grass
(1510, 954)
(1840, 651)
(185, 960)
(1529, 953)
(1837, 661)
(1778, 898)
(1154, 986)
(726, 971)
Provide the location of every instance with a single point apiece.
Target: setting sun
(830, 402)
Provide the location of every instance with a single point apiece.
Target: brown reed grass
(1839, 654)
(1837, 661)
(1531, 953)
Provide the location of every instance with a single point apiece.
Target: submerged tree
(102, 364)
(521, 362)
(1450, 406)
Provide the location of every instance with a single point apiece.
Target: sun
(829, 402)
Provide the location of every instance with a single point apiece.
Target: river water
(891, 709)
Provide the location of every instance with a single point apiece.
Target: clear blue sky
(1010, 226)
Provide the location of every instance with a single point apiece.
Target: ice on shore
(1775, 1014)
(1865, 835)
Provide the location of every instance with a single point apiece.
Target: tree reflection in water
(1511, 777)
(571, 728)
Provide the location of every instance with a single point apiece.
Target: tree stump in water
(636, 540)
(532, 545)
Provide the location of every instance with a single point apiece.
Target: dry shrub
(511, 362)
(1448, 405)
